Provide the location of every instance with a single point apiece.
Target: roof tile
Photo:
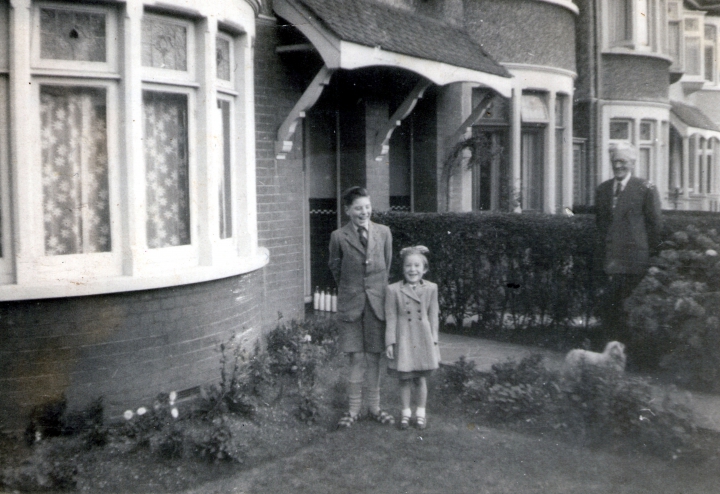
(370, 23)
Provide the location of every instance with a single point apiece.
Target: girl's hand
(390, 352)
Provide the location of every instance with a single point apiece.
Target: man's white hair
(623, 150)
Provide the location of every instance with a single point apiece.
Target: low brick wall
(125, 347)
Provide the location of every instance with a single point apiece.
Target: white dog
(612, 358)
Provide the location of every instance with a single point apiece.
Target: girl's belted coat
(412, 322)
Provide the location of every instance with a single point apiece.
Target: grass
(457, 453)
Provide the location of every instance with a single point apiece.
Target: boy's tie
(362, 233)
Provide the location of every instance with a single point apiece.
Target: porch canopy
(350, 34)
(690, 120)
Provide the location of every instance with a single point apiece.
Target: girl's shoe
(346, 421)
(382, 417)
(420, 422)
(404, 422)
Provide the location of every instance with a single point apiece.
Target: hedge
(512, 273)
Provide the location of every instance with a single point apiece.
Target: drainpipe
(596, 126)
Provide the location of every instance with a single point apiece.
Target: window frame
(157, 259)
(91, 264)
(158, 75)
(6, 252)
(109, 66)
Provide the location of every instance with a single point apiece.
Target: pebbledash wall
(128, 346)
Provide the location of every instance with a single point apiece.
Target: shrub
(217, 443)
(675, 311)
(598, 406)
(52, 467)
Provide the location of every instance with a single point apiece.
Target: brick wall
(634, 78)
(125, 347)
(280, 189)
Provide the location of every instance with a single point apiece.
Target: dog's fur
(612, 358)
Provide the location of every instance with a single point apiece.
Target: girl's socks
(355, 397)
(420, 412)
(373, 399)
(406, 412)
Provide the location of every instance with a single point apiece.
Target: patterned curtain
(74, 170)
(166, 169)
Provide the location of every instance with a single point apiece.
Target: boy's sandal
(382, 417)
(404, 423)
(347, 420)
(420, 422)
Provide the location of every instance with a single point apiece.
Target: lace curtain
(76, 212)
(166, 169)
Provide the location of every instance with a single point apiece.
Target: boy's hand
(390, 352)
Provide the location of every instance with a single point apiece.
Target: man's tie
(362, 233)
(618, 189)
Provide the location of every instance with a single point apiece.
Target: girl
(411, 335)
(360, 255)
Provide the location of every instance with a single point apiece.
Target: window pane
(692, 55)
(164, 45)
(559, 167)
(532, 169)
(225, 171)
(674, 41)
(709, 63)
(709, 175)
(76, 213)
(166, 169)
(69, 35)
(643, 169)
(692, 153)
(691, 24)
(223, 58)
(620, 19)
(620, 130)
(643, 22)
(560, 111)
(646, 131)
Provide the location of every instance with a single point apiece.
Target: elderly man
(627, 215)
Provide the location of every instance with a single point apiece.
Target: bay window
(142, 172)
(638, 25)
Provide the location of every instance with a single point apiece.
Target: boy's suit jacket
(359, 273)
(629, 233)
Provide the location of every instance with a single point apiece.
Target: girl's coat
(412, 326)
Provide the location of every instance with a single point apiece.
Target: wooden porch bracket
(382, 138)
(476, 114)
(284, 141)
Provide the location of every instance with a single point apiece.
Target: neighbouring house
(648, 74)
(170, 171)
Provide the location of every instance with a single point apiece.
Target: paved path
(485, 353)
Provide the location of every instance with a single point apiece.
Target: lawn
(458, 452)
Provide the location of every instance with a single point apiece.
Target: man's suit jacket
(630, 232)
(359, 273)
